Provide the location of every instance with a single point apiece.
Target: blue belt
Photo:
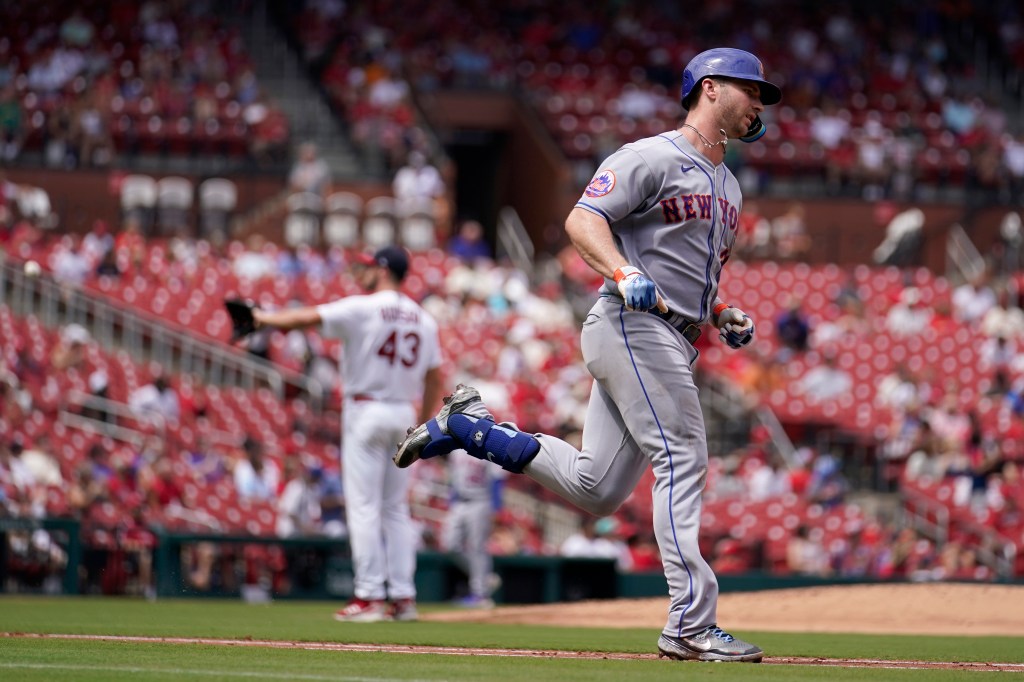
(684, 325)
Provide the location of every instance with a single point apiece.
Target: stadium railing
(145, 336)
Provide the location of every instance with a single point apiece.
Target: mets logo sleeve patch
(602, 184)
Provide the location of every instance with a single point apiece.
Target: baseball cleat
(404, 610)
(364, 611)
(713, 644)
(463, 399)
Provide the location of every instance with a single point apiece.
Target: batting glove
(637, 291)
(736, 327)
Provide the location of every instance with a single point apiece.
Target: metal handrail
(937, 530)
(961, 253)
(145, 336)
(514, 241)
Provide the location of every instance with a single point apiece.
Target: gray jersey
(674, 217)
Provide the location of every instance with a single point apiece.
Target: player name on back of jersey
(396, 314)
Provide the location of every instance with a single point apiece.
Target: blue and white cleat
(463, 400)
(713, 644)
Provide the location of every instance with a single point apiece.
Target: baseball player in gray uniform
(475, 497)
(391, 355)
(658, 220)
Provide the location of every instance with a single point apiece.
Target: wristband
(718, 311)
(624, 272)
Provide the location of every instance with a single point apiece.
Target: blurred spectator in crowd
(156, 401)
(256, 475)
(1013, 161)
(596, 538)
(97, 241)
(925, 461)
(731, 557)
(909, 316)
(952, 426)
(825, 381)
(754, 234)
(310, 173)
(973, 299)
(806, 556)
(1005, 319)
(828, 486)
(99, 388)
(256, 260)
(268, 133)
(130, 244)
(91, 134)
(12, 124)
(871, 169)
(468, 243)
(792, 326)
(332, 505)
(789, 233)
(298, 506)
(644, 555)
(69, 263)
(898, 389)
(418, 179)
(69, 351)
(998, 355)
(59, 149)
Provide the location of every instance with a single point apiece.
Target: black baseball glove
(242, 321)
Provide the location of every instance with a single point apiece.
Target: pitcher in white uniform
(391, 359)
(658, 220)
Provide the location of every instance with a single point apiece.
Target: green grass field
(28, 658)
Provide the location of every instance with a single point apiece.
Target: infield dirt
(926, 609)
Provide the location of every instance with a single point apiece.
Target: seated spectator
(69, 351)
(753, 236)
(156, 401)
(792, 326)
(973, 299)
(828, 486)
(909, 316)
(596, 538)
(310, 172)
(789, 233)
(952, 426)
(1005, 319)
(825, 381)
(256, 475)
(644, 555)
(332, 505)
(898, 389)
(999, 356)
(419, 179)
(925, 461)
(298, 507)
(12, 124)
(805, 556)
(468, 243)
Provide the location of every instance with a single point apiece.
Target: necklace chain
(724, 141)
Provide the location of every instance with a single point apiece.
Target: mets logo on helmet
(602, 184)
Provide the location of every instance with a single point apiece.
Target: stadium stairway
(281, 74)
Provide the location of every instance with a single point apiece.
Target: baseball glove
(242, 321)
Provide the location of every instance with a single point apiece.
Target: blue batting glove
(637, 291)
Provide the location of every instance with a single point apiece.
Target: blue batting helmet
(730, 62)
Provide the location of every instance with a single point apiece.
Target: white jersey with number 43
(389, 343)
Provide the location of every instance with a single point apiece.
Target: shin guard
(510, 449)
